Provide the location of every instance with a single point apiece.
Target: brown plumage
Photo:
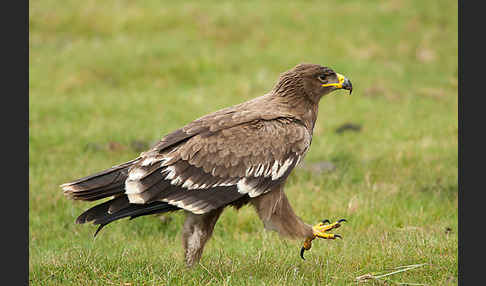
(233, 156)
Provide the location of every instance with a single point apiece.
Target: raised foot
(320, 230)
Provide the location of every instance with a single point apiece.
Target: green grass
(119, 71)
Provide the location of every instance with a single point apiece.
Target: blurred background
(107, 79)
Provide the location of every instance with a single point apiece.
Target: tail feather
(100, 185)
(120, 207)
(101, 210)
(98, 193)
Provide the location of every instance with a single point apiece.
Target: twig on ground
(370, 276)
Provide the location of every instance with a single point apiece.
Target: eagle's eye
(322, 78)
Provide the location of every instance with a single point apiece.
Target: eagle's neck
(306, 112)
(296, 106)
(290, 96)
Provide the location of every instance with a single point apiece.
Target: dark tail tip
(98, 230)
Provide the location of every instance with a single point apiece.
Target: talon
(321, 230)
(302, 252)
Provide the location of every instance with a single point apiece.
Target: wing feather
(219, 160)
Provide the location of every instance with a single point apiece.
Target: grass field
(106, 74)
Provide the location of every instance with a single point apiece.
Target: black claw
(302, 252)
(338, 236)
(342, 220)
(326, 220)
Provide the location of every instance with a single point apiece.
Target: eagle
(235, 156)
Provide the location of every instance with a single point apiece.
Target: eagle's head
(311, 80)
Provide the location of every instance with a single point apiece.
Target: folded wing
(218, 166)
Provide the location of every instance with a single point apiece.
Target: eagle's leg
(197, 230)
(275, 211)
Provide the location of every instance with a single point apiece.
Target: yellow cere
(338, 85)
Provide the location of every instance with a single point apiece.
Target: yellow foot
(320, 230)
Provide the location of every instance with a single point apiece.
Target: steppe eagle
(237, 155)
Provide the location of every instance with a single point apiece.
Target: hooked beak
(343, 83)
